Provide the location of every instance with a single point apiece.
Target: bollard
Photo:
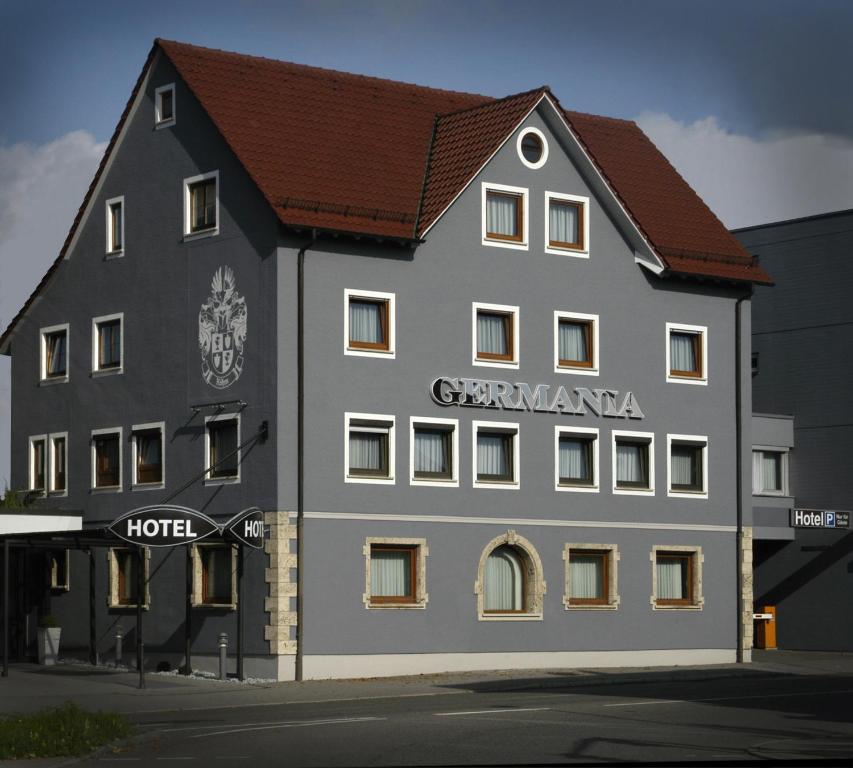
(118, 646)
(223, 656)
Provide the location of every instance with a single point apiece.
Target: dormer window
(164, 106)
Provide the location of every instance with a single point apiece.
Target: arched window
(509, 582)
(503, 582)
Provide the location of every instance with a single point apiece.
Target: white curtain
(683, 467)
(586, 576)
(501, 215)
(110, 344)
(492, 456)
(429, 451)
(563, 223)
(390, 575)
(365, 450)
(574, 459)
(491, 334)
(365, 323)
(56, 354)
(682, 352)
(770, 479)
(148, 448)
(573, 344)
(670, 579)
(630, 463)
(757, 483)
(502, 581)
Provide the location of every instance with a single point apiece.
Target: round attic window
(532, 148)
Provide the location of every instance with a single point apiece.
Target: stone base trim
(746, 593)
(393, 664)
(280, 547)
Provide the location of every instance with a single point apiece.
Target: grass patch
(65, 731)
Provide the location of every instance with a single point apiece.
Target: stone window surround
(613, 557)
(697, 560)
(422, 552)
(197, 593)
(535, 585)
(112, 592)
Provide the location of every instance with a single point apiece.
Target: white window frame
(593, 370)
(112, 251)
(197, 597)
(505, 427)
(32, 440)
(96, 322)
(702, 330)
(51, 460)
(94, 461)
(506, 309)
(612, 553)
(158, 106)
(589, 433)
(578, 253)
(450, 425)
(524, 194)
(390, 298)
(135, 485)
(188, 182)
(367, 422)
(208, 480)
(698, 560)
(112, 587)
(541, 136)
(421, 554)
(643, 437)
(43, 334)
(783, 469)
(696, 441)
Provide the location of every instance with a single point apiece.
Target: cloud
(41, 188)
(747, 180)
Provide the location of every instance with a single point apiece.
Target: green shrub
(59, 732)
(48, 622)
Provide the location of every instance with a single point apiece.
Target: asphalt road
(787, 717)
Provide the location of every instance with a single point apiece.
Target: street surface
(807, 716)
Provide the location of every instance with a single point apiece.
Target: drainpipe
(300, 439)
(739, 474)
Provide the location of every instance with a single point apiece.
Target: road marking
(288, 724)
(491, 711)
(176, 758)
(727, 698)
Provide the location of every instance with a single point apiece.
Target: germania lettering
(543, 398)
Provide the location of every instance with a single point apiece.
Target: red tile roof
(367, 156)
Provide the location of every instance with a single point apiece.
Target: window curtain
(671, 581)
(501, 215)
(365, 450)
(127, 577)
(682, 352)
(390, 574)
(502, 581)
(757, 482)
(574, 459)
(491, 334)
(492, 458)
(365, 322)
(217, 566)
(106, 451)
(587, 576)
(683, 467)
(110, 344)
(148, 449)
(563, 221)
(38, 465)
(115, 213)
(630, 463)
(56, 354)
(770, 475)
(573, 340)
(430, 451)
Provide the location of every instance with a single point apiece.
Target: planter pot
(48, 644)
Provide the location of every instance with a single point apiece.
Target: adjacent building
(484, 364)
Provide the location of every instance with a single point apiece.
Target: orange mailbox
(765, 627)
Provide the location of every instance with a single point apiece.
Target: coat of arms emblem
(222, 325)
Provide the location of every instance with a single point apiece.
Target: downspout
(300, 440)
(739, 475)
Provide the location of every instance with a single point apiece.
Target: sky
(749, 100)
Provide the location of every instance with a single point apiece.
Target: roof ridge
(493, 102)
(324, 71)
(604, 118)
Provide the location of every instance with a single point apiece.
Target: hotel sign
(246, 527)
(543, 398)
(819, 518)
(164, 525)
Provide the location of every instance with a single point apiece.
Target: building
(484, 364)
(800, 338)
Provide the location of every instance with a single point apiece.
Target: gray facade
(162, 280)
(801, 334)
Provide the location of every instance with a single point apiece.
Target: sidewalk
(30, 687)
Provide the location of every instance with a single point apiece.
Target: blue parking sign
(830, 519)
